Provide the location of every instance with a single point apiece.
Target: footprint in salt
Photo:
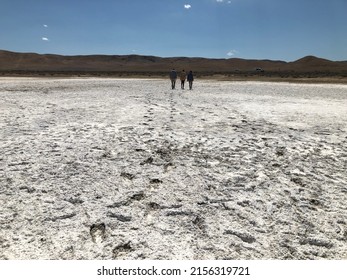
(97, 232)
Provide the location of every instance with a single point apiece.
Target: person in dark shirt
(173, 78)
(190, 79)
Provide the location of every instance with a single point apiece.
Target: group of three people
(183, 77)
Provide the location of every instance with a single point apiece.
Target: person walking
(183, 77)
(173, 78)
(190, 79)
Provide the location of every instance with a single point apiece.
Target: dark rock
(244, 203)
(280, 151)
(178, 213)
(122, 248)
(298, 181)
(244, 236)
(155, 181)
(61, 217)
(315, 202)
(119, 217)
(147, 161)
(199, 222)
(164, 153)
(138, 196)
(27, 188)
(74, 200)
(316, 242)
(154, 206)
(119, 204)
(127, 202)
(128, 176)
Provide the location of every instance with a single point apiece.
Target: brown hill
(28, 62)
(312, 63)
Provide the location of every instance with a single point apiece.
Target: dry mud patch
(129, 169)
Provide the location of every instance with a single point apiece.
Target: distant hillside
(27, 62)
(312, 63)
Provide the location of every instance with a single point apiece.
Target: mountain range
(33, 62)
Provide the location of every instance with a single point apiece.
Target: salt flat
(130, 169)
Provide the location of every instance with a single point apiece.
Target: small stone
(317, 242)
(244, 236)
(119, 217)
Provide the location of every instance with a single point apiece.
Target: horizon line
(168, 57)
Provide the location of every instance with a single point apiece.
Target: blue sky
(260, 29)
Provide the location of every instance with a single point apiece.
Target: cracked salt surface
(129, 169)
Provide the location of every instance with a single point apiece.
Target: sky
(253, 29)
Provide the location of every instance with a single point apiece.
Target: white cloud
(187, 6)
(232, 52)
(220, 1)
(45, 39)
(45, 25)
